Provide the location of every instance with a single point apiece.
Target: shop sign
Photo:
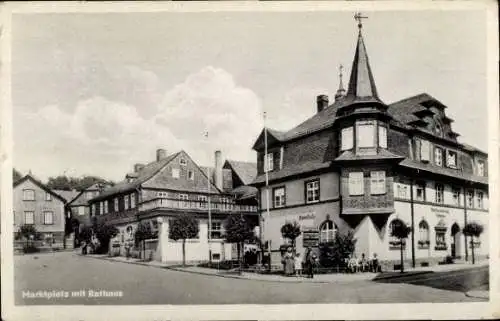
(440, 210)
(310, 238)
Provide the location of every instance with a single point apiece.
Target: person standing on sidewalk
(298, 265)
(309, 262)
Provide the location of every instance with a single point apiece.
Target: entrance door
(455, 240)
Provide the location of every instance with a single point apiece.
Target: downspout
(412, 211)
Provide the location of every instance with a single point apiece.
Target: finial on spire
(358, 17)
(341, 91)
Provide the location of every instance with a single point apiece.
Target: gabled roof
(404, 110)
(147, 172)
(246, 171)
(69, 196)
(39, 184)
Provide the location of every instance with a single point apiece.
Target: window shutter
(382, 136)
(356, 184)
(425, 150)
(346, 138)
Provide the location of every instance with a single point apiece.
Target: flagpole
(209, 227)
(266, 169)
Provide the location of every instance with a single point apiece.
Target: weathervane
(358, 17)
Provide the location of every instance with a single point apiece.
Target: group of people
(363, 264)
(294, 263)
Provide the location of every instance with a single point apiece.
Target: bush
(334, 254)
(223, 265)
(30, 248)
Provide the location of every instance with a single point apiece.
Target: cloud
(105, 137)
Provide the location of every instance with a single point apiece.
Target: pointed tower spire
(361, 84)
(341, 91)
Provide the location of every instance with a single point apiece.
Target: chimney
(138, 167)
(322, 102)
(161, 154)
(218, 169)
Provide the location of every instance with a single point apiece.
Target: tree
(238, 230)
(29, 233)
(16, 175)
(291, 231)
(63, 182)
(182, 228)
(336, 252)
(400, 230)
(473, 229)
(143, 233)
(104, 233)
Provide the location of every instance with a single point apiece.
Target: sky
(93, 94)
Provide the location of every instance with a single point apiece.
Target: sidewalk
(318, 278)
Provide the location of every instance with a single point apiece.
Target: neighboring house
(358, 164)
(170, 186)
(35, 204)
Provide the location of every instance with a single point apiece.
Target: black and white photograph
(250, 154)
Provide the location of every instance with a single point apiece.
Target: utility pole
(209, 229)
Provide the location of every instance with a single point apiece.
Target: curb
(216, 274)
(485, 295)
(401, 275)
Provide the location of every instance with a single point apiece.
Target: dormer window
(346, 136)
(439, 130)
(451, 159)
(268, 162)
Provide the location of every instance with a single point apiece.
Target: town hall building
(359, 163)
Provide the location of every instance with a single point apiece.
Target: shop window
(423, 232)
(312, 191)
(279, 197)
(440, 231)
(356, 183)
(377, 182)
(347, 138)
(327, 232)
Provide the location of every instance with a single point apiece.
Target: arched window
(423, 232)
(327, 232)
(392, 239)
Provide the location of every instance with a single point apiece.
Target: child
(298, 265)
